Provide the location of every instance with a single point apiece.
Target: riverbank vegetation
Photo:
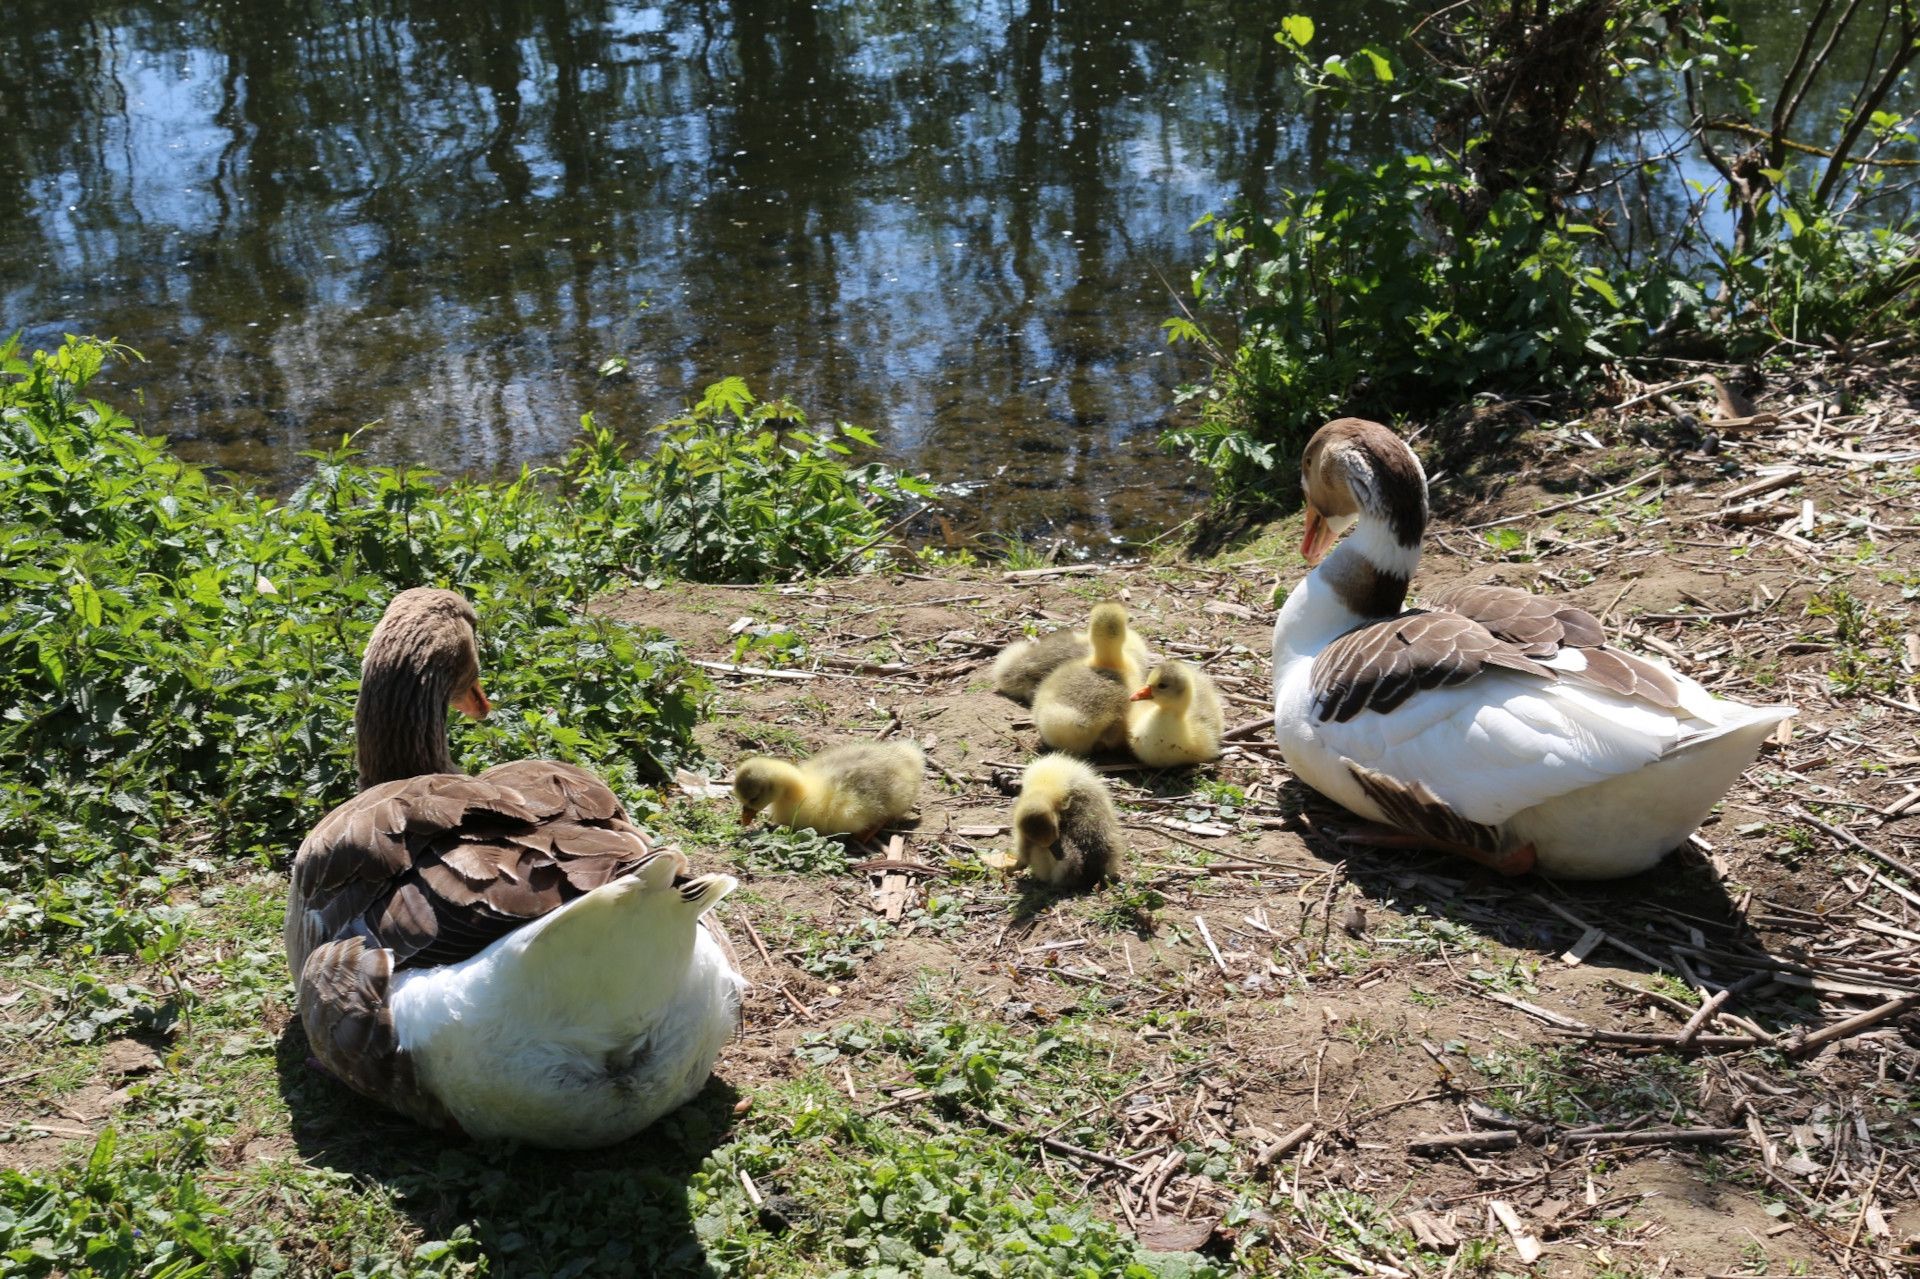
(1602, 193)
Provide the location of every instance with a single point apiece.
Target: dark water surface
(946, 221)
(940, 220)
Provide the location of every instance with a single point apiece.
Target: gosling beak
(473, 702)
(746, 815)
(1144, 695)
(1318, 537)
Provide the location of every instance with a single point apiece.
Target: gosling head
(1170, 686)
(758, 783)
(1107, 631)
(1039, 825)
(1353, 467)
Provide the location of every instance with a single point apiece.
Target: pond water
(953, 222)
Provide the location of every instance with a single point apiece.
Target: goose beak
(746, 815)
(1318, 538)
(1144, 695)
(473, 702)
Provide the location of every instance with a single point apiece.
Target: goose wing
(1568, 639)
(436, 868)
(1483, 727)
(431, 870)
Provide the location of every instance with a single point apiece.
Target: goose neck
(1364, 579)
(400, 724)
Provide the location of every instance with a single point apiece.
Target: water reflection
(941, 219)
(945, 219)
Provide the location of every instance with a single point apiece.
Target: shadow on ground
(1676, 916)
(620, 1211)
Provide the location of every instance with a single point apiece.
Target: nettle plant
(738, 489)
(179, 658)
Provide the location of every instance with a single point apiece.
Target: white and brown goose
(504, 954)
(1492, 723)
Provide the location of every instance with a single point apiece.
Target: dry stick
(1523, 1242)
(1560, 506)
(1247, 729)
(1498, 1139)
(946, 772)
(1765, 484)
(1655, 1136)
(1639, 1040)
(1854, 1025)
(1697, 1022)
(779, 982)
(1849, 840)
(729, 668)
(1279, 1149)
(1056, 1145)
(1207, 935)
(1063, 570)
(1866, 1201)
(1656, 393)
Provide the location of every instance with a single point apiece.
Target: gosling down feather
(1492, 723)
(1176, 718)
(1065, 833)
(1023, 664)
(852, 789)
(1082, 705)
(506, 954)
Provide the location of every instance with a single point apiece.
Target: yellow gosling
(1065, 832)
(852, 789)
(1176, 718)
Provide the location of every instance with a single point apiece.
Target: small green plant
(1862, 656)
(832, 956)
(1128, 907)
(782, 850)
(1015, 553)
(117, 1216)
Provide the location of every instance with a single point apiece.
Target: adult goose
(507, 954)
(1493, 723)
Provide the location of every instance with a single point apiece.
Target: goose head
(1353, 471)
(1358, 475)
(422, 658)
(1039, 824)
(1169, 687)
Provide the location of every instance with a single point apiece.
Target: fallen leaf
(699, 786)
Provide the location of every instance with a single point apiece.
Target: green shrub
(738, 491)
(179, 658)
(1376, 293)
(1533, 245)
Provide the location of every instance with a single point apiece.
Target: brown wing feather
(1377, 666)
(436, 868)
(349, 1025)
(1414, 808)
(1542, 627)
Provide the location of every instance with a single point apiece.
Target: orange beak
(746, 816)
(1144, 695)
(473, 702)
(1318, 538)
